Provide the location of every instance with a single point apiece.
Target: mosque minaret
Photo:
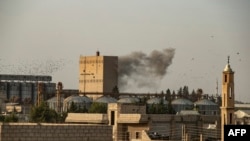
(227, 107)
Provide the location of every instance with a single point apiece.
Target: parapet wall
(54, 132)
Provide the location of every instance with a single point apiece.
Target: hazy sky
(48, 36)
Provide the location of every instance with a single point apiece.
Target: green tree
(83, 109)
(185, 92)
(168, 95)
(151, 109)
(159, 108)
(173, 95)
(180, 92)
(193, 96)
(115, 89)
(170, 108)
(61, 118)
(199, 93)
(98, 108)
(144, 100)
(43, 113)
(73, 108)
(2, 117)
(11, 118)
(115, 92)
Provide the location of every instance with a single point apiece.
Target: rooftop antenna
(217, 87)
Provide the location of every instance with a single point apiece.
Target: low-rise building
(130, 122)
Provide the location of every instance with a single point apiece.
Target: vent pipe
(97, 53)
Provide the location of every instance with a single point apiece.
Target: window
(230, 92)
(127, 136)
(225, 79)
(230, 116)
(112, 117)
(137, 135)
(224, 100)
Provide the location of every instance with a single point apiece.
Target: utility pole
(59, 90)
(40, 93)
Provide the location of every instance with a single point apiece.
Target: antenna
(217, 87)
(228, 59)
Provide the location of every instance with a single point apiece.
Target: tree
(185, 92)
(2, 117)
(180, 92)
(173, 95)
(73, 108)
(143, 100)
(115, 91)
(199, 93)
(11, 118)
(43, 113)
(170, 108)
(159, 108)
(61, 118)
(193, 96)
(98, 108)
(151, 109)
(168, 95)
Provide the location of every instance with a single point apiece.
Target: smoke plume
(139, 70)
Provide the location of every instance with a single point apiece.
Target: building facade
(97, 74)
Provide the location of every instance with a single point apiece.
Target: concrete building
(97, 74)
(130, 122)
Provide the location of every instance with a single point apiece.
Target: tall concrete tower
(97, 74)
(227, 107)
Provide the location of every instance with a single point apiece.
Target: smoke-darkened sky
(48, 37)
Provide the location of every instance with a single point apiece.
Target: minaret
(227, 107)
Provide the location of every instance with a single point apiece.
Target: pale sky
(53, 34)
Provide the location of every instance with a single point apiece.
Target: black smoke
(139, 70)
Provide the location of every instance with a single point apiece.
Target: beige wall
(54, 132)
(97, 74)
(136, 130)
(132, 108)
